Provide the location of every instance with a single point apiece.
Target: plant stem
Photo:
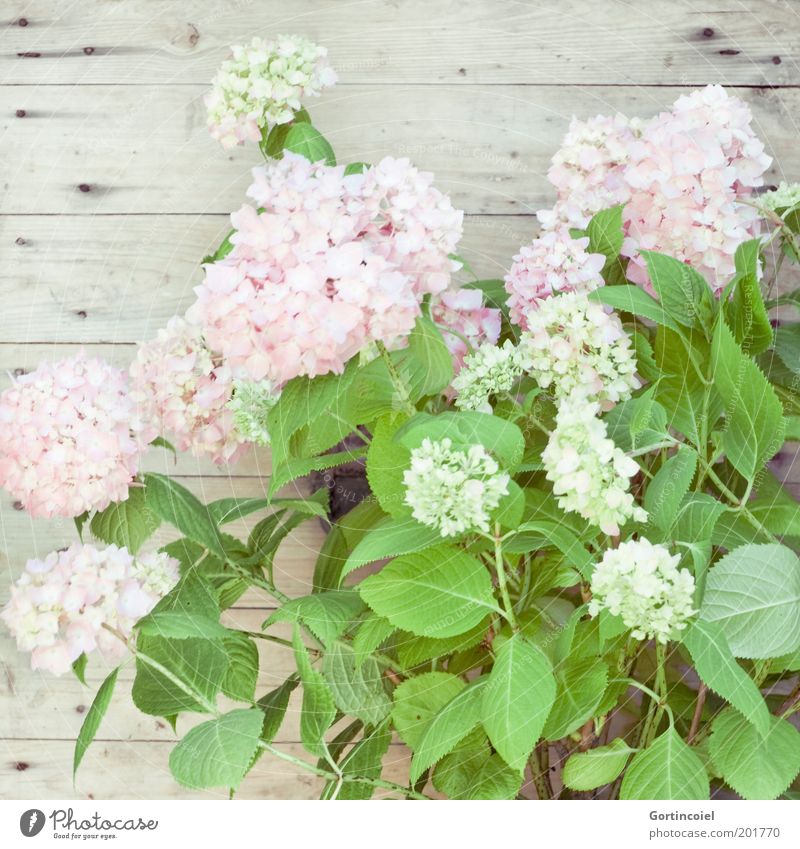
(330, 776)
(501, 577)
(702, 692)
(397, 380)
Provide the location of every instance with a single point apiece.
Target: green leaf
(175, 504)
(667, 769)
(178, 625)
(682, 290)
(390, 538)
(471, 771)
(219, 752)
(669, 487)
(787, 346)
(517, 699)
(637, 422)
(753, 594)
(93, 719)
(79, 668)
(290, 470)
(755, 767)
(364, 760)
(605, 237)
(753, 413)
(502, 438)
(448, 726)
(580, 684)
(358, 689)
(387, 462)
(636, 301)
(227, 510)
(307, 141)
(240, 679)
(126, 523)
(718, 669)
(587, 770)
(319, 710)
(456, 589)
(412, 651)
(356, 168)
(542, 534)
(200, 665)
(745, 311)
(433, 358)
(326, 615)
(417, 700)
(274, 706)
(372, 631)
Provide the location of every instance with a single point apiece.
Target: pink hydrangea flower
(60, 605)
(588, 170)
(463, 311)
(181, 388)
(687, 174)
(331, 264)
(66, 444)
(553, 263)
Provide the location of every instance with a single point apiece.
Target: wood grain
(119, 278)
(145, 149)
(661, 42)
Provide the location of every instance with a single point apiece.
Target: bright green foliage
(240, 679)
(669, 487)
(126, 523)
(418, 700)
(667, 769)
(318, 709)
(357, 689)
(93, 719)
(580, 685)
(756, 767)
(587, 770)
(517, 699)
(326, 615)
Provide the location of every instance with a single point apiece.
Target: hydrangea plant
(576, 574)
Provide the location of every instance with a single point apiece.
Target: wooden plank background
(112, 191)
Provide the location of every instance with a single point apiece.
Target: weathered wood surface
(109, 149)
(662, 42)
(112, 191)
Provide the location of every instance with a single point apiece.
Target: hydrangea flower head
(330, 264)
(687, 174)
(486, 372)
(786, 196)
(181, 389)
(553, 263)
(589, 473)
(572, 344)
(250, 406)
(588, 169)
(465, 321)
(642, 583)
(453, 490)
(264, 83)
(60, 605)
(66, 444)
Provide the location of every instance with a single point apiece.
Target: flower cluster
(573, 345)
(60, 605)
(465, 321)
(486, 372)
(66, 444)
(328, 264)
(786, 196)
(687, 174)
(590, 475)
(250, 406)
(588, 170)
(262, 84)
(453, 490)
(553, 263)
(181, 389)
(642, 583)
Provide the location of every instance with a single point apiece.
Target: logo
(31, 822)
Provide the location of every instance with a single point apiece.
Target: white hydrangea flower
(785, 196)
(453, 490)
(572, 344)
(487, 371)
(641, 583)
(250, 405)
(588, 472)
(263, 83)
